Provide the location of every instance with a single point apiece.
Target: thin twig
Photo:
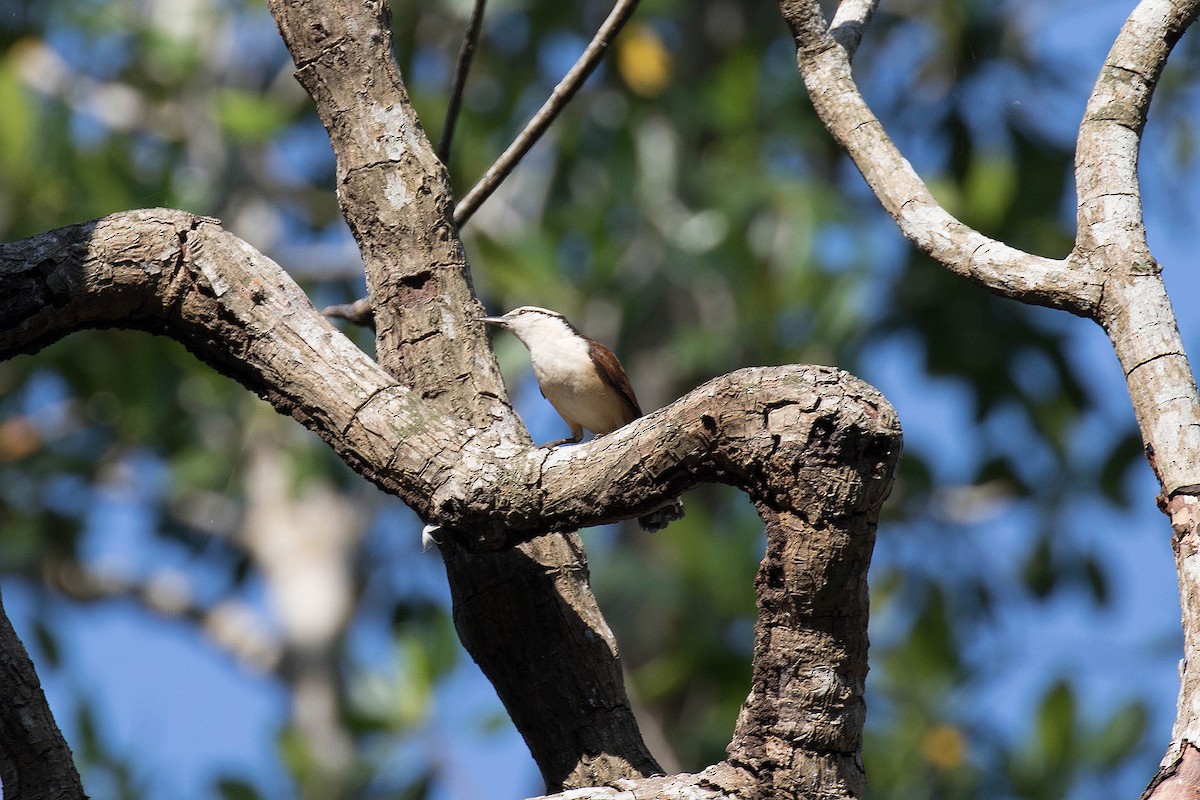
(470, 37)
(851, 21)
(553, 106)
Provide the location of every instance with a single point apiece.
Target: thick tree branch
(1136, 311)
(35, 762)
(537, 125)
(825, 67)
(823, 447)
(1110, 276)
(813, 447)
(184, 276)
(396, 198)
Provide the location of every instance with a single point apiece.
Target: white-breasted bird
(582, 379)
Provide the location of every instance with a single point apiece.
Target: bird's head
(531, 324)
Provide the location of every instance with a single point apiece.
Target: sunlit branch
(550, 110)
(465, 53)
(1005, 270)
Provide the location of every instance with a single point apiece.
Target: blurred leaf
(1040, 574)
(250, 116)
(990, 187)
(47, 643)
(1056, 724)
(1121, 734)
(1096, 580)
(234, 789)
(1124, 453)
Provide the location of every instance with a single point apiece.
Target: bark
(825, 67)
(1110, 276)
(395, 195)
(813, 447)
(35, 762)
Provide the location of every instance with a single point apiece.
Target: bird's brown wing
(614, 374)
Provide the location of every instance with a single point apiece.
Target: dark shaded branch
(458, 85)
(545, 115)
(35, 761)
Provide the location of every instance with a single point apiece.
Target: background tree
(751, 258)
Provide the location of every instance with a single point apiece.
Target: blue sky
(189, 710)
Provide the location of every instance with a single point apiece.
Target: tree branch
(545, 115)
(1136, 311)
(813, 447)
(184, 276)
(458, 85)
(850, 23)
(825, 67)
(35, 761)
(396, 198)
(1136, 314)
(1110, 276)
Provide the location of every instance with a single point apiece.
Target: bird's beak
(493, 320)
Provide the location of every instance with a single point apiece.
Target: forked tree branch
(537, 125)
(396, 198)
(814, 449)
(825, 68)
(1110, 276)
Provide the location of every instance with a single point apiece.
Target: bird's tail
(662, 516)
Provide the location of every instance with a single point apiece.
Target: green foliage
(689, 210)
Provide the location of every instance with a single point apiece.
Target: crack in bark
(1151, 360)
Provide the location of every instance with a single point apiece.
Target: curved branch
(1106, 154)
(994, 265)
(545, 115)
(813, 447)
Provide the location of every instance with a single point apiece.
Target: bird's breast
(569, 380)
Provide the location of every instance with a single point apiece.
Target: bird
(583, 380)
